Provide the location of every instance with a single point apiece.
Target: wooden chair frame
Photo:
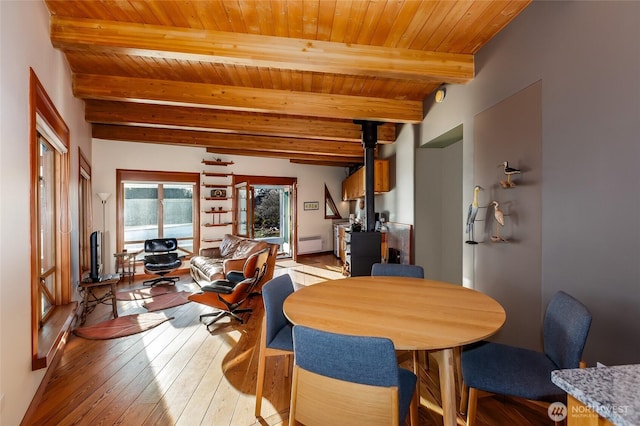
(318, 400)
(263, 353)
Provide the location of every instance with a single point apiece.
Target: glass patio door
(265, 210)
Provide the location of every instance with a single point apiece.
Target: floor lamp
(104, 196)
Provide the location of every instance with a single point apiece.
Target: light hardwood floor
(180, 374)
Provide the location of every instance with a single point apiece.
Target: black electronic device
(95, 248)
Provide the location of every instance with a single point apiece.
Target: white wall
(111, 155)
(397, 204)
(24, 43)
(586, 55)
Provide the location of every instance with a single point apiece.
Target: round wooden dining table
(416, 314)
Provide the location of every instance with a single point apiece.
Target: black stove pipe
(369, 142)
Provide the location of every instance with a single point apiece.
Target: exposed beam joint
(115, 88)
(100, 36)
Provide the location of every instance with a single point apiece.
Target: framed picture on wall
(311, 205)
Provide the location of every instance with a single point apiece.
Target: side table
(91, 299)
(126, 261)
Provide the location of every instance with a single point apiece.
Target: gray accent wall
(507, 257)
(587, 57)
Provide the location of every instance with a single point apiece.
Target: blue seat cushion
(282, 339)
(509, 370)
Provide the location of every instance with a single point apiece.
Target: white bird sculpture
(499, 216)
(471, 215)
(508, 171)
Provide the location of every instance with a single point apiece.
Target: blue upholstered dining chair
(347, 380)
(523, 373)
(397, 270)
(401, 270)
(275, 338)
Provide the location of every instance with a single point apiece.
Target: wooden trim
(40, 104)
(123, 175)
(71, 313)
(328, 199)
(85, 205)
(263, 180)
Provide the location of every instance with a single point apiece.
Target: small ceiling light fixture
(440, 94)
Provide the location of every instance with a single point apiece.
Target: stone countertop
(613, 392)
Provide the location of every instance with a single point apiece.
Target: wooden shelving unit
(211, 240)
(217, 163)
(212, 217)
(211, 174)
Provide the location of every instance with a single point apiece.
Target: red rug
(121, 326)
(168, 300)
(141, 293)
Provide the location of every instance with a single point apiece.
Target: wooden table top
(416, 314)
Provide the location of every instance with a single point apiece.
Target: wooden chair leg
(294, 398)
(413, 407)
(261, 369)
(473, 407)
(464, 398)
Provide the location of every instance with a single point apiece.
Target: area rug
(141, 293)
(122, 326)
(166, 301)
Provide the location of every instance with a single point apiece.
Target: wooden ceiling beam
(185, 118)
(177, 93)
(227, 141)
(100, 36)
(318, 160)
(115, 88)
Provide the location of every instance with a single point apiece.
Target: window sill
(53, 335)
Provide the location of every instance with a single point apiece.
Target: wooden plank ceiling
(278, 78)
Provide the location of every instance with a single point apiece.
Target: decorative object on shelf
(471, 215)
(219, 193)
(499, 216)
(216, 190)
(311, 205)
(508, 171)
